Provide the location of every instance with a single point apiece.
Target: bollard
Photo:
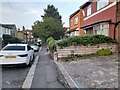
(55, 56)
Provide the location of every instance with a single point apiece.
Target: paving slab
(46, 75)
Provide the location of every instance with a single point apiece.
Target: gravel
(95, 71)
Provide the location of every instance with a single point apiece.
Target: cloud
(23, 16)
(35, 12)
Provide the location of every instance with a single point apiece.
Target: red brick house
(75, 23)
(99, 17)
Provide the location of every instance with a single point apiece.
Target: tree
(10, 39)
(51, 11)
(50, 26)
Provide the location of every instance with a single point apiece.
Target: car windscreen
(16, 48)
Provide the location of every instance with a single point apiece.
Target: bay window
(101, 29)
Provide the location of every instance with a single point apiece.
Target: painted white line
(28, 81)
(68, 78)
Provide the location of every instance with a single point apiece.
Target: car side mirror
(32, 49)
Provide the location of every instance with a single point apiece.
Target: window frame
(89, 7)
(99, 29)
(76, 19)
(102, 6)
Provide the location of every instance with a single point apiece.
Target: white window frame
(89, 9)
(101, 29)
(105, 29)
(76, 19)
(101, 4)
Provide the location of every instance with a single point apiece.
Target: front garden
(82, 45)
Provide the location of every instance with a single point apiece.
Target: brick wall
(118, 29)
(82, 50)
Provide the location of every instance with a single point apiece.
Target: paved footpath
(46, 73)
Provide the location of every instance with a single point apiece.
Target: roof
(74, 13)
(86, 4)
(9, 26)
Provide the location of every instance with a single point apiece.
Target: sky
(26, 12)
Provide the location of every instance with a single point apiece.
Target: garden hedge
(85, 40)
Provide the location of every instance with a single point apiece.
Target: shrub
(96, 39)
(49, 39)
(104, 52)
(62, 43)
(85, 40)
(51, 44)
(10, 39)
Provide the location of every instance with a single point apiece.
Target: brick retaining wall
(82, 50)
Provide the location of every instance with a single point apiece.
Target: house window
(76, 33)
(101, 4)
(83, 12)
(71, 22)
(105, 29)
(102, 29)
(96, 29)
(76, 20)
(89, 31)
(88, 10)
(72, 34)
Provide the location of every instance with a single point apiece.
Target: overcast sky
(26, 13)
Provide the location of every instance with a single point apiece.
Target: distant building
(25, 35)
(4, 30)
(20, 35)
(29, 35)
(10, 29)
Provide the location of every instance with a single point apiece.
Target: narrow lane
(46, 73)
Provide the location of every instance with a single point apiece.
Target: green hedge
(49, 39)
(9, 39)
(85, 40)
(51, 44)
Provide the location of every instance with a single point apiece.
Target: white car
(35, 47)
(16, 54)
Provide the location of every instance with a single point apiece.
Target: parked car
(35, 47)
(17, 54)
(39, 43)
